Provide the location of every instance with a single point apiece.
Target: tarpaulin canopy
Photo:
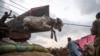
(39, 11)
(85, 39)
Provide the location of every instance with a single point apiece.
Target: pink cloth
(85, 40)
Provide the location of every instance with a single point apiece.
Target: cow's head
(58, 24)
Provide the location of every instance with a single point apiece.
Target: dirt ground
(27, 54)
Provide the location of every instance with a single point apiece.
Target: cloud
(37, 39)
(88, 6)
(2, 9)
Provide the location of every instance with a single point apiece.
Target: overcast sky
(70, 11)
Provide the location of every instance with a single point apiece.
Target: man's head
(69, 39)
(98, 15)
(6, 13)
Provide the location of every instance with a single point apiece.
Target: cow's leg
(51, 34)
(54, 33)
(55, 36)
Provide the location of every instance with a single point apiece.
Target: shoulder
(96, 21)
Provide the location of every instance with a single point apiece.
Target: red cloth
(85, 40)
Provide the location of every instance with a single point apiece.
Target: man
(5, 16)
(3, 26)
(73, 48)
(95, 30)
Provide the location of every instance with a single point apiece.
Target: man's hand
(10, 10)
(10, 13)
(14, 16)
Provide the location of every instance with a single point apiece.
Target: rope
(78, 25)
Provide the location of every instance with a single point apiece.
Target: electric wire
(18, 4)
(12, 5)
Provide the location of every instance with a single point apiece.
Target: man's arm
(12, 16)
(10, 13)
